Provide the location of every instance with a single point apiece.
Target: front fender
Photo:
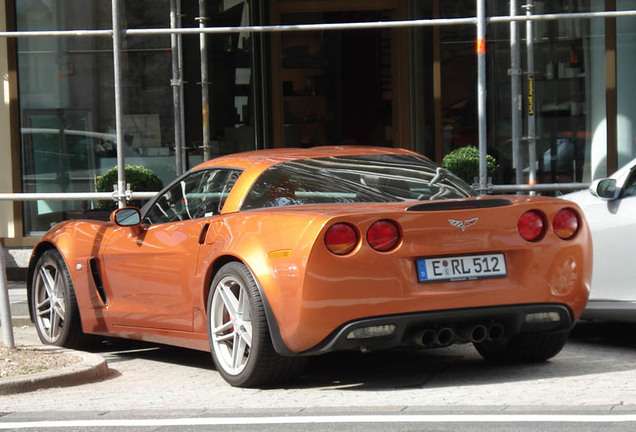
(77, 242)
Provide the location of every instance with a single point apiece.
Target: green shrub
(464, 163)
(141, 179)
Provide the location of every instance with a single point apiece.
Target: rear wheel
(523, 348)
(57, 318)
(239, 337)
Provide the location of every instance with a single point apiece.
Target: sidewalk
(91, 368)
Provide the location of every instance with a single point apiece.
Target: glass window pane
(626, 96)
(65, 106)
(200, 194)
(354, 179)
(232, 81)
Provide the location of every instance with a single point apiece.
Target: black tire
(524, 347)
(239, 337)
(55, 311)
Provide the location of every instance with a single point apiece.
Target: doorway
(333, 87)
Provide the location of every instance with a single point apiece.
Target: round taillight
(383, 235)
(341, 238)
(531, 225)
(565, 223)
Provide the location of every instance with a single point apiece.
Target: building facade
(412, 87)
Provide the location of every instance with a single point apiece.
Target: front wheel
(524, 347)
(57, 318)
(239, 337)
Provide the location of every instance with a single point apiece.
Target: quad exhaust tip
(445, 336)
(430, 337)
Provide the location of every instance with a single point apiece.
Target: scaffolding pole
(184, 160)
(532, 125)
(481, 95)
(119, 109)
(516, 94)
(205, 103)
(177, 85)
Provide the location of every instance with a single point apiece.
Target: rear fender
(276, 260)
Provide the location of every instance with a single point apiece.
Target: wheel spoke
(46, 301)
(238, 351)
(223, 327)
(60, 307)
(244, 306)
(47, 281)
(223, 337)
(44, 312)
(54, 323)
(229, 299)
(246, 334)
(59, 313)
(60, 304)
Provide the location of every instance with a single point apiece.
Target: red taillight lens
(565, 223)
(341, 238)
(383, 235)
(531, 225)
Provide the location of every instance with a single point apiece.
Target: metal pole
(516, 95)
(177, 84)
(532, 132)
(326, 27)
(181, 88)
(542, 187)
(119, 111)
(481, 95)
(5, 305)
(69, 196)
(205, 104)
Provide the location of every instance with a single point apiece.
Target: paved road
(594, 374)
(423, 421)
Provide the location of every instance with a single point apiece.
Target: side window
(200, 194)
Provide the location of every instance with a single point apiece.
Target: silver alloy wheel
(231, 324)
(50, 302)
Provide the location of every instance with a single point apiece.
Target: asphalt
(91, 367)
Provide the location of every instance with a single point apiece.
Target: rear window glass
(354, 179)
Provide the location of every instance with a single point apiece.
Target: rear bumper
(458, 326)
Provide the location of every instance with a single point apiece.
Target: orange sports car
(266, 257)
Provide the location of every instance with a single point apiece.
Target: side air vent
(97, 279)
(460, 205)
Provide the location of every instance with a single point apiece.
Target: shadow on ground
(592, 349)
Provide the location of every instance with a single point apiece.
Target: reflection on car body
(266, 257)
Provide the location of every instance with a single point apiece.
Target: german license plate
(461, 268)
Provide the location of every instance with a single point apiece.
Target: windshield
(354, 179)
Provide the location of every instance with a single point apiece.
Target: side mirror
(126, 217)
(605, 189)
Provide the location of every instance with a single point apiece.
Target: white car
(610, 209)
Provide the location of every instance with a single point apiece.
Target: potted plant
(140, 179)
(464, 163)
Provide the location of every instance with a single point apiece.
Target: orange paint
(481, 46)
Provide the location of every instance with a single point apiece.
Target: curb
(92, 368)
